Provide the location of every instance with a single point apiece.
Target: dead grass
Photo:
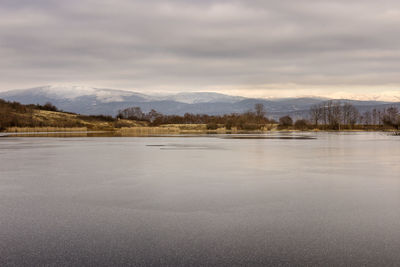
(44, 129)
(50, 121)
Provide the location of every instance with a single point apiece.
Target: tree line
(330, 115)
(336, 115)
(251, 120)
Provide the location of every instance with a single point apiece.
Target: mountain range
(93, 101)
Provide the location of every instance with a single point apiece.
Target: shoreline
(180, 130)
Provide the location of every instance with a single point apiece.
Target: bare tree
(334, 114)
(316, 114)
(153, 115)
(367, 117)
(134, 113)
(260, 112)
(353, 116)
(392, 117)
(374, 117)
(379, 117)
(285, 121)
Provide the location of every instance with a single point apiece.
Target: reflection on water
(271, 135)
(319, 199)
(63, 134)
(287, 137)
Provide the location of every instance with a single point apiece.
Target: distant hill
(94, 101)
(14, 114)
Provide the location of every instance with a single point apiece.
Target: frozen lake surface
(173, 201)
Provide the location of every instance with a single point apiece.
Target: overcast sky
(253, 48)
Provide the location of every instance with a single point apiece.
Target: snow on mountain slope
(90, 100)
(202, 97)
(62, 92)
(52, 91)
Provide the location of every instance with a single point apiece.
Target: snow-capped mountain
(62, 92)
(202, 97)
(90, 100)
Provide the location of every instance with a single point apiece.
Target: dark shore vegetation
(16, 115)
(331, 115)
(247, 121)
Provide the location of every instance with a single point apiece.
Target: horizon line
(385, 96)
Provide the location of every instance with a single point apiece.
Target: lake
(311, 199)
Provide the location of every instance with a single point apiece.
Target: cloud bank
(263, 48)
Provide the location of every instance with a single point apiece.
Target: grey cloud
(189, 44)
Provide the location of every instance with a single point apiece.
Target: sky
(263, 48)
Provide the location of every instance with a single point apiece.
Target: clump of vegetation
(251, 120)
(335, 115)
(14, 114)
(104, 118)
(285, 122)
(121, 124)
(391, 118)
(301, 125)
(212, 126)
(48, 106)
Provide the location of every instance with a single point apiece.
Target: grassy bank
(52, 121)
(18, 118)
(44, 129)
(131, 128)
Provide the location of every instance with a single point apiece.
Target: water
(333, 200)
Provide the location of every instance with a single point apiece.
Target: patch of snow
(107, 96)
(72, 92)
(202, 97)
(67, 92)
